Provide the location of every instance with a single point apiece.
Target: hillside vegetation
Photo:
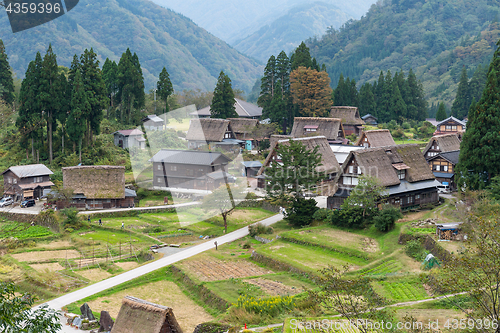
(435, 38)
(160, 37)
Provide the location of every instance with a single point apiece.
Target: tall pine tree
(301, 57)
(462, 101)
(164, 87)
(6, 81)
(480, 149)
(367, 103)
(223, 101)
(441, 112)
(80, 107)
(109, 74)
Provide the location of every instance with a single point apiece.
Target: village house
(127, 139)
(243, 110)
(244, 129)
(278, 137)
(329, 165)
(153, 123)
(401, 169)
(441, 144)
(214, 133)
(26, 181)
(331, 128)
(375, 138)
(137, 315)
(443, 167)
(189, 169)
(351, 121)
(370, 120)
(450, 125)
(97, 187)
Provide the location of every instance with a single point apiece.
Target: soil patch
(187, 313)
(128, 265)
(214, 270)
(46, 255)
(94, 274)
(412, 217)
(274, 288)
(370, 245)
(52, 267)
(55, 245)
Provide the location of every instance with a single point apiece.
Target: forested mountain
(289, 30)
(160, 37)
(435, 38)
(233, 20)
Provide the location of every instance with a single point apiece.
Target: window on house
(417, 197)
(14, 181)
(401, 174)
(347, 180)
(359, 170)
(351, 169)
(453, 128)
(190, 172)
(158, 180)
(9, 180)
(448, 127)
(159, 167)
(445, 168)
(354, 181)
(227, 135)
(310, 130)
(173, 168)
(437, 167)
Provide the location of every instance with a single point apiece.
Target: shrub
(247, 245)
(392, 125)
(302, 211)
(72, 219)
(386, 218)
(398, 133)
(406, 125)
(415, 250)
(322, 214)
(352, 217)
(271, 306)
(259, 229)
(211, 328)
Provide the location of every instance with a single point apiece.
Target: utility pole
(154, 97)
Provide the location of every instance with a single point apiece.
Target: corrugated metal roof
(443, 175)
(242, 108)
(130, 193)
(154, 118)
(35, 185)
(405, 186)
(31, 170)
(189, 157)
(134, 131)
(252, 164)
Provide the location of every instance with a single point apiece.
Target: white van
(443, 189)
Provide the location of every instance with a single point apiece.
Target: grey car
(6, 201)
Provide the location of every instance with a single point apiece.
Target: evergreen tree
(301, 57)
(130, 86)
(462, 101)
(80, 107)
(109, 74)
(417, 108)
(64, 104)
(49, 95)
(367, 104)
(441, 112)
(352, 93)
(340, 94)
(267, 86)
(480, 149)
(164, 87)
(397, 104)
(6, 81)
(477, 82)
(223, 101)
(96, 91)
(284, 106)
(383, 104)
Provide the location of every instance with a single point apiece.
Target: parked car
(443, 189)
(28, 203)
(6, 201)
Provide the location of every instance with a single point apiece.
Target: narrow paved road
(77, 295)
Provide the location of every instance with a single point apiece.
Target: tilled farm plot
(215, 270)
(274, 288)
(46, 255)
(51, 267)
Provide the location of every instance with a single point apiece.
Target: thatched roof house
(351, 121)
(328, 160)
(277, 137)
(376, 138)
(243, 127)
(98, 186)
(204, 131)
(139, 316)
(441, 144)
(331, 128)
(402, 169)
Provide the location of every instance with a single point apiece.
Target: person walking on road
(100, 222)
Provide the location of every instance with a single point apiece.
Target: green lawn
(402, 290)
(113, 237)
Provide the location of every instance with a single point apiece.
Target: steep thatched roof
(328, 160)
(96, 181)
(328, 127)
(382, 163)
(446, 142)
(376, 138)
(242, 125)
(277, 137)
(348, 114)
(139, 316)
(207, 129)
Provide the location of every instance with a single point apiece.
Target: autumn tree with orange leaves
(311, 92)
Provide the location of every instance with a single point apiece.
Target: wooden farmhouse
(401, 169)
(212, 132)
(127, 139)
(245, 129)
(329, 166)
(243, 110)
(189, 169)
(97, 187)
(26, 181)
(370, 120)
(331, 128)
(441, 144)
(450, 125)
(137, 315)
(375, 138)
(351, 121)
(443, 166)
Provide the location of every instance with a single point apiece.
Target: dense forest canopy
(435, 38)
